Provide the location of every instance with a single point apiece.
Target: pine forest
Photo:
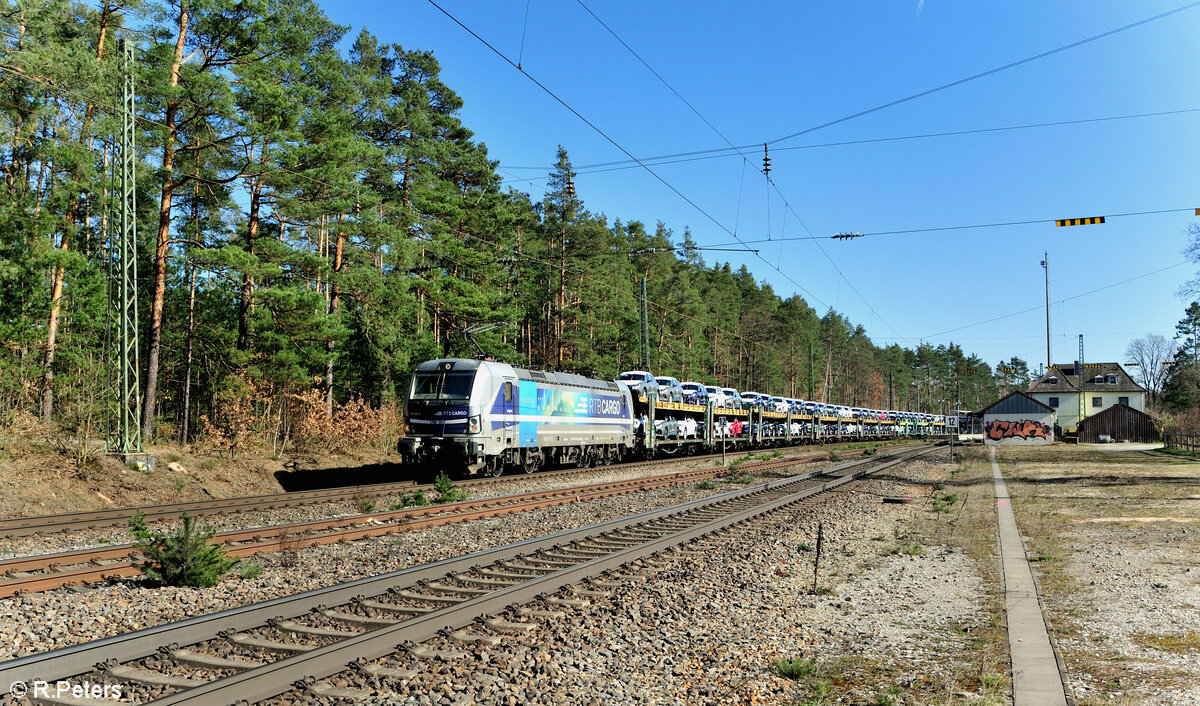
(314, 219)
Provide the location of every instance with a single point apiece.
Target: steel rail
(265, 540)
(280, 676)
(80, 659)
(116, 561)
(15, 527)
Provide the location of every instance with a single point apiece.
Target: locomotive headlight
(473, 425)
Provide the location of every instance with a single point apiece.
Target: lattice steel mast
(128, 436)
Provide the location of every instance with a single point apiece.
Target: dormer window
(1112, 379)
(1053, 381)
(1098, 379)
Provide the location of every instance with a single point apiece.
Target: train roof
(561, 378)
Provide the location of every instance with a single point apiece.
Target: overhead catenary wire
(616, 144)
(722, 152)
(1039, 306)
(766, 171)
(984, 74)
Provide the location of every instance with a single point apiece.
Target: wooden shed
(1119, 423)
(1018, 419)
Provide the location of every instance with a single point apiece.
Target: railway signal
(1094, 220)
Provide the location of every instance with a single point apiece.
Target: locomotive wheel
(494, 467)
(532, 463)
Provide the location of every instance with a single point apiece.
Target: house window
(1054, 402)
(1112, 379)
(1123, 400)
(1053, 381)
(1097, 402)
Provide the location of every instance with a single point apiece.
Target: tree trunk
(52, 326)
(163, 240)
(243, 340)
(187, 370)
(334, 300)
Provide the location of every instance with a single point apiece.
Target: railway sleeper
(526, 565)
(460, 590)
(423, 652)
(140, 675)
(414, 596)
(360, 620)
(385, 672)
(394, 607)
(509, 627)
(494, 573)
(206, 661)
(544, 614)
(566, 602)
(329, 691)
(469, 638)
(302, 629)
(584, 552)
(549, 563)
(265, 645)
(464, 578)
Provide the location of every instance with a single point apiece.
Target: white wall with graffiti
(1018, 429)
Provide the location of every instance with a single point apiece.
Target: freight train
(481, 417)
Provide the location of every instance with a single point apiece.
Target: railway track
(14, 527)
(259, 651)
(46, 572)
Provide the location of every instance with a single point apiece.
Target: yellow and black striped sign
(1079, 221)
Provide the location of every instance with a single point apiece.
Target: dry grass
(1058, 494)
(1179, 644)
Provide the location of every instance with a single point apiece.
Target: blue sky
(761, 71)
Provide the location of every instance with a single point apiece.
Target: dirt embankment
(39, 477)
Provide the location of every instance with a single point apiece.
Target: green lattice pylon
(129, 428)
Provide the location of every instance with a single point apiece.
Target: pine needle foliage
(186, 558)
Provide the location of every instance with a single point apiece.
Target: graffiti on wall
(998, 429)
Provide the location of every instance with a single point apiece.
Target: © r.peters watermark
(61, 689)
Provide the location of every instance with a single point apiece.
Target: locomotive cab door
(508, 401)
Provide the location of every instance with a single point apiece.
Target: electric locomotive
(474, 416)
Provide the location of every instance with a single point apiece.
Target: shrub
(447, 491)
(795, 669)
(945, 503)
(366, 507)
(706, 485)
(406, 500)
(250, 571)
(834, 456)
(186, 558)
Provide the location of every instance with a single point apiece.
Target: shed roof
(1068, 379)
(1016, 402)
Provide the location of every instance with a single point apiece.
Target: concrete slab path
(1036, 678)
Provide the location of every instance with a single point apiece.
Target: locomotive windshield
(442, 385)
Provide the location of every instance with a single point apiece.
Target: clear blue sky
(760, 71)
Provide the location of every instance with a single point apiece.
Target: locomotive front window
(442, 386)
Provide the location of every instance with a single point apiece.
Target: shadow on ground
(345, 477)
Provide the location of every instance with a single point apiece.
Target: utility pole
(1082, 387)
(812, 381)
(127, 439)
(891, 391)
(644, 328)
(1046, 268)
